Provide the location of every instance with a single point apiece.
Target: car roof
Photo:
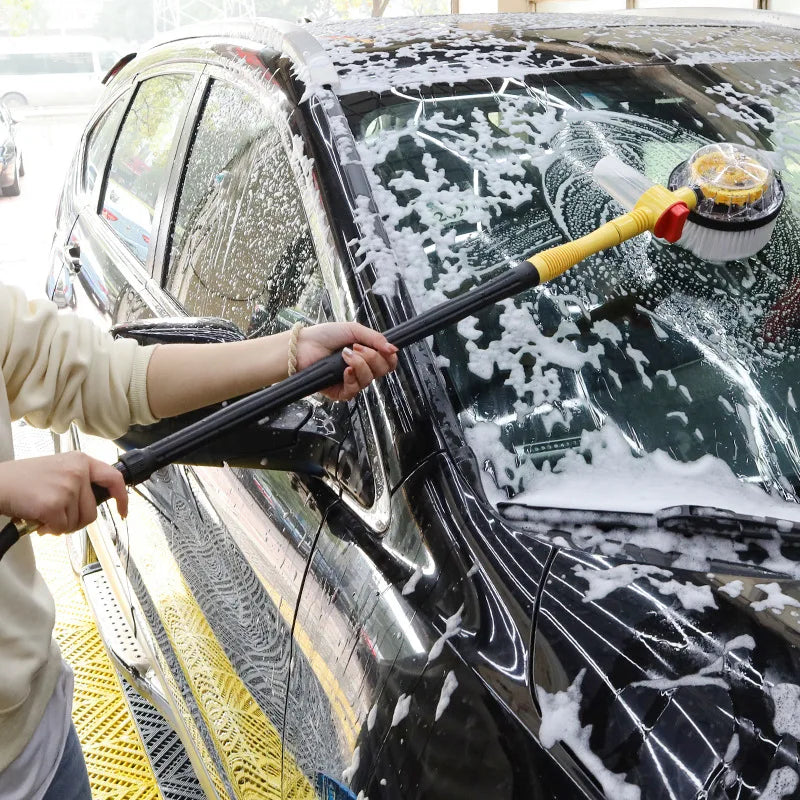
(378, 54)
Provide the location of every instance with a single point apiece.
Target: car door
(101, 267)
(231, 544)
(104, 259)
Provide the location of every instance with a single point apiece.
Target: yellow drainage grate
(116, 760)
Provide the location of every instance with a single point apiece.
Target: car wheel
(13, 189)
(14, 100)
(21, 168)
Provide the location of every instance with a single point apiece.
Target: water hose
(711, 196)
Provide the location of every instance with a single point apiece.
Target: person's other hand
(56, 491)
(367, 354)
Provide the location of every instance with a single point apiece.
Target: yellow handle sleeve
(649, 207)
(551, 263)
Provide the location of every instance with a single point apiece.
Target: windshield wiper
(721, 521)
(689, 520)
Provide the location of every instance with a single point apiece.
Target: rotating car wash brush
(739, 198)
(731, 198)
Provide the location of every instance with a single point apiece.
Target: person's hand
(56, 490)
(368, 355)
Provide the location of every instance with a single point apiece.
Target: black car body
(506, 570)
(11, 165)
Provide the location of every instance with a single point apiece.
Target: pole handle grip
(17, 528)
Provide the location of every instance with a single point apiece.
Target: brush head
(738, 200)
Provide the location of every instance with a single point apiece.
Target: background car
(554, 555)
(12, 167)
(53, 70)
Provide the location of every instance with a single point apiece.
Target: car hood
(664, 683)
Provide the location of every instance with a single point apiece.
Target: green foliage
(20, 16)
(291, 10)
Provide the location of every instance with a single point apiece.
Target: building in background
(600, 6)
(135, 21)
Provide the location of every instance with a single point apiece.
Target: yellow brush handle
(644, 216)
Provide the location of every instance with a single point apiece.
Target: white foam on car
(452, 627)
(448, 687)
(604, 581)
(786, 697)
(775, 600)
(782, 783)
(347, 774)
(401, 709)
(712, 674)
(603, 478)
(561, 722)
(412, 582)
(732, 588)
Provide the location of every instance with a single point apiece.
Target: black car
(11, 165)
(555, 554)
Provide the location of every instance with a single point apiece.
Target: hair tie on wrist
(293, 339)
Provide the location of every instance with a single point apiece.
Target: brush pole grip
(139, 464)
(523, 275)
(100, 492)
(17, 528)
(557, 260)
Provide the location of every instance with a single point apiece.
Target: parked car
(53, 70)
(12, 167)
(555, 554)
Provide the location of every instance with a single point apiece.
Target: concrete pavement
(48, 138)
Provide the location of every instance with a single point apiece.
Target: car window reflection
(141, 160)
(241, 246)
(100, 141)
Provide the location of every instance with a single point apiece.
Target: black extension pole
(139, 464)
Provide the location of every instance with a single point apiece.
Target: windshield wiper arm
(721, 521)
(688, 519)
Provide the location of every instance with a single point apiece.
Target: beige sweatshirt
(57, 369)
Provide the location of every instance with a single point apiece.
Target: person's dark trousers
(71, 781)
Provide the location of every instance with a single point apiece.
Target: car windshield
(643, 377)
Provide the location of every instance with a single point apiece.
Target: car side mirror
(175, 330)
(302, 437)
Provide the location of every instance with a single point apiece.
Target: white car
(53, 70)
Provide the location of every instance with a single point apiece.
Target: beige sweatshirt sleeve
(61, 368)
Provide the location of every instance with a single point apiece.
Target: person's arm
(56, 490)
(182, 377)
(63, 369)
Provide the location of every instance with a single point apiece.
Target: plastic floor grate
(117, 763)
(176, 776)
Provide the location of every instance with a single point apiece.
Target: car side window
(241, 245)
(100, 142)
(141, 162)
